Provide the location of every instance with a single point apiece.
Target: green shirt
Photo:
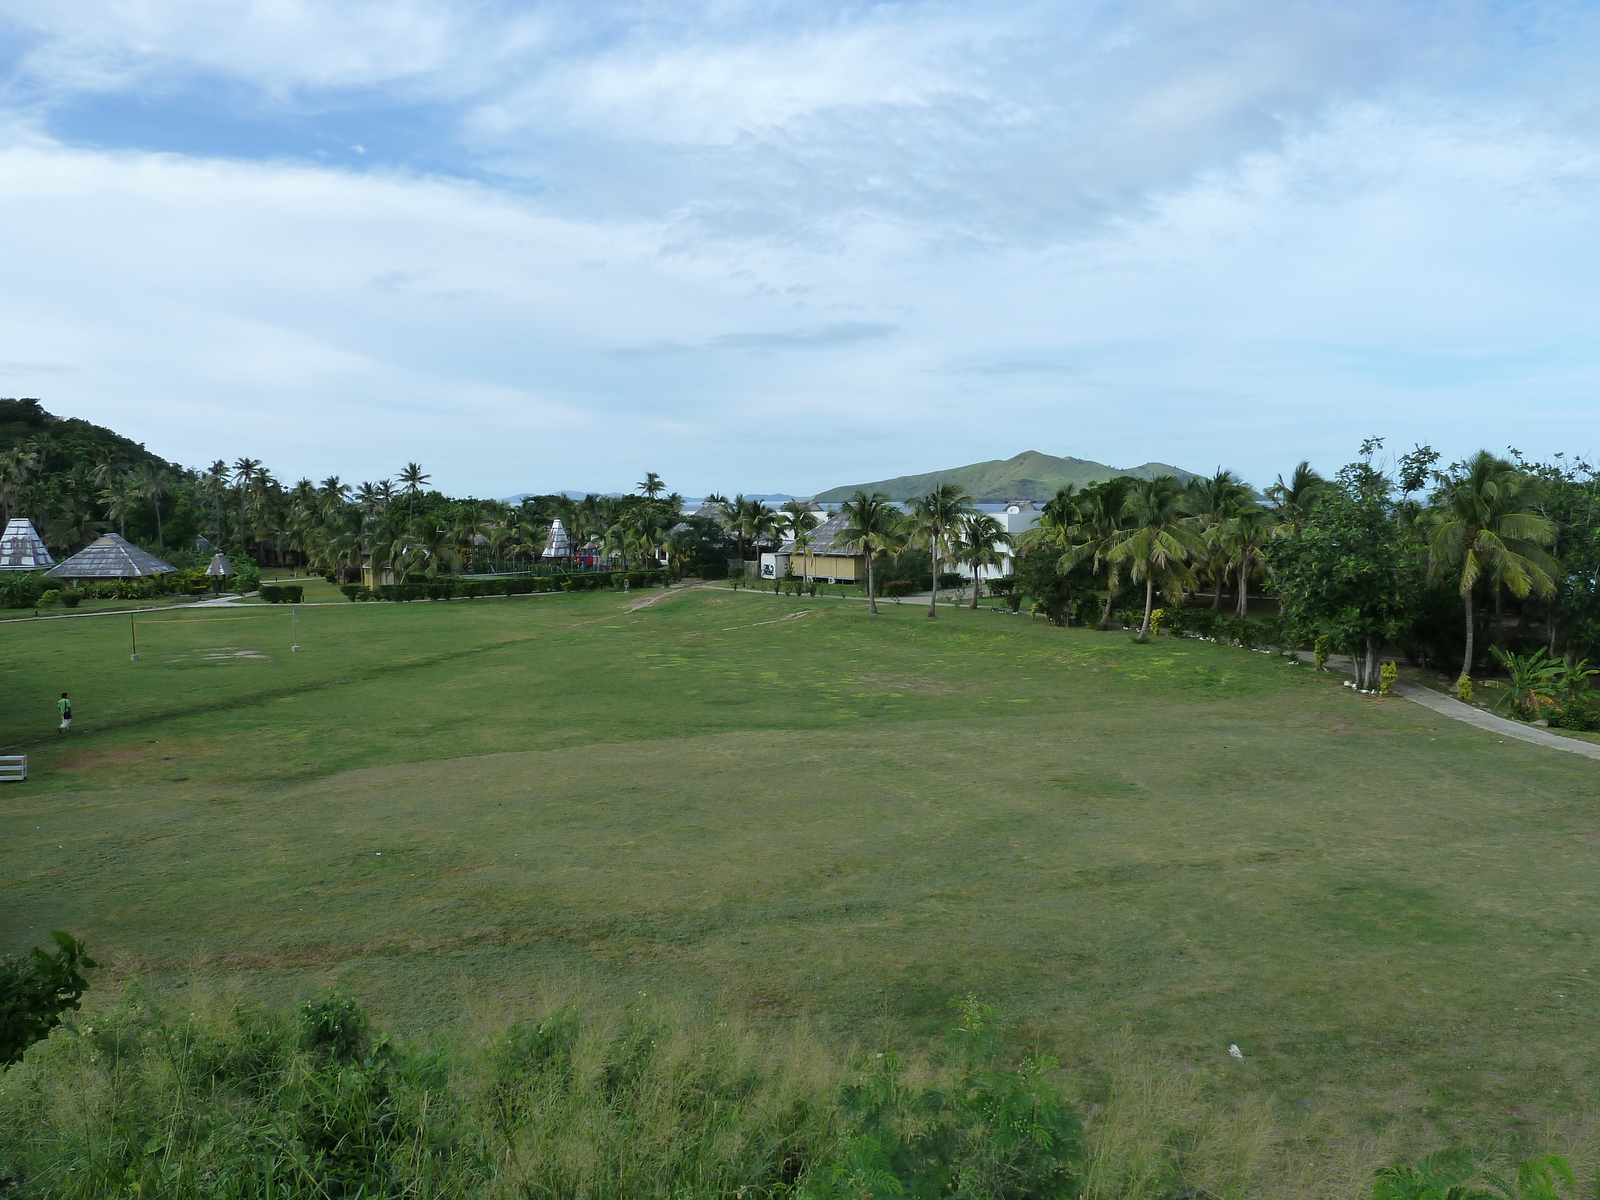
(65, 706)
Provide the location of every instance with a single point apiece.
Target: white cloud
(769, 247)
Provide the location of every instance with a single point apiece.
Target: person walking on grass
(65, 705)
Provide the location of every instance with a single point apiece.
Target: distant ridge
(1031, 475)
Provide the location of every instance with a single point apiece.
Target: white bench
(13, 768)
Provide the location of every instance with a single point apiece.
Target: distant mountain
(1029, 476)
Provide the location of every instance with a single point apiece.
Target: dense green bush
(21, 589)
(35, 989)
(1248, 632)
(230, 1102)
(356, 591)
(282, 593)
(452, 587)
(1579, 714)
(896, 588)
(190, 582)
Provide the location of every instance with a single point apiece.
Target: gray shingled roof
(823, 536)
(110, 557)
(21, 547)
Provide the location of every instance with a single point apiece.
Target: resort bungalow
(21, 547)
(109, 557)
(827, 561)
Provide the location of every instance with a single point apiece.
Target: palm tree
(797, 521)
(981, 540)
(412, 479)
(751, 519)
(934, 521)
(1103, 518)
(74, 525)
(870, 527)
(1293, 501)
(802, 545)
(152, 482)
(424, 542)
(117, 498)
(214, 487)
(333, 495)
(1485, 524)
(1158, 541)
(107, 466)
(1242, 536)
(16, 465)
(1215, 502)
(651, 485)
(244, 471)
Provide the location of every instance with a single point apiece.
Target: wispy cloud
(823, 337)
(1243, 232)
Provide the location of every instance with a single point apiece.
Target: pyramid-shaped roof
(21, 547)
(110, 557)
(558, 544)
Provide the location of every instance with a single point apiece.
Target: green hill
(1031, 475)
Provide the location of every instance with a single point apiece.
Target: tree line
(1405, 554)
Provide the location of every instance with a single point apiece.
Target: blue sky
(779, 247)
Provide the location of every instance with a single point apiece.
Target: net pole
(294, 624)
(133, 632)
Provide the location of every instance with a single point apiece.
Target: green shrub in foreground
(231, 1101)
(36, 989)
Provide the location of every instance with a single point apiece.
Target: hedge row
(282, 593)
(1248, 632)
(453, 587)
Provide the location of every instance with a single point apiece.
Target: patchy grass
(1151, 850)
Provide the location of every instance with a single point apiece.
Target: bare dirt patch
(133, 755)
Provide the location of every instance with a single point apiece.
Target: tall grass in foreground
(222, 1100)
(229, 1101)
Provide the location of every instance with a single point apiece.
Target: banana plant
(1534, 679)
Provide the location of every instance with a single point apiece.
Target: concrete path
(1467, 714)
(1448, 706)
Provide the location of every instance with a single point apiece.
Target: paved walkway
(1468, 714)
(1448, 706)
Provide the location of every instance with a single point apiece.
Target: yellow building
(827, 560)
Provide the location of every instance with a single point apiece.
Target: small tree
(1350, 571)
(35, 989)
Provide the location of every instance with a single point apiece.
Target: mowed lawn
(799, 809)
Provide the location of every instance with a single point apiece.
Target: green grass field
(794, 808)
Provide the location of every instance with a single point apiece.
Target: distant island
(1031, 475)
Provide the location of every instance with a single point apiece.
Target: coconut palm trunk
(1244, 583)
(1466, 604)
(1149, 603)
(933, 596)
